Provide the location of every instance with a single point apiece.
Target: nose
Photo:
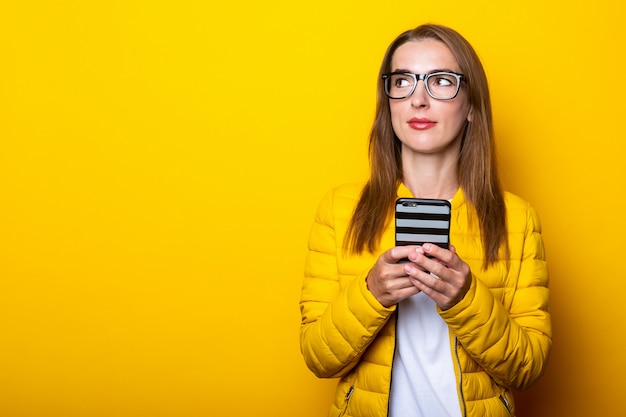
(420, 97)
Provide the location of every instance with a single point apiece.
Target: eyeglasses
(441, 85)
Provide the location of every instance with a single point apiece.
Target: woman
(453, 331)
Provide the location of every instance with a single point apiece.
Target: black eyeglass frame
(422, 77)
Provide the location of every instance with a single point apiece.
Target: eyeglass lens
(439, 85)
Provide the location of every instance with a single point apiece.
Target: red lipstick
(421, 123)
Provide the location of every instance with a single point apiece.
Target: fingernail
(427, 246)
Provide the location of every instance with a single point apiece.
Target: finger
(423, 262)
(429, 283)
(438, 252)
(455, 257)
(447, 257)
(407, 292)
(395, 254)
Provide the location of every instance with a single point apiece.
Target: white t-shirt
(423, 383)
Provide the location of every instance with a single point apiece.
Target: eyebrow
(429, 72)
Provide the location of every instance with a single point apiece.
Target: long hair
(477, 166)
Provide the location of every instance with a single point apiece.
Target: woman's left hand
(444, 277)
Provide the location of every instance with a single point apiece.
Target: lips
(421, 123)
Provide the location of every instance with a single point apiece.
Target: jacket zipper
(346, 401)
(506, 403)
(395, 346)
(458, 364)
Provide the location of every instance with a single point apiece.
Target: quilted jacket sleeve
(511, 343)
(340, 317)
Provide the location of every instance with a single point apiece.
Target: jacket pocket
(346, 401)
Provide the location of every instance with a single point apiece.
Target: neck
(430, 176)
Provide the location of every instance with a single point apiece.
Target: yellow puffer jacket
(500, 333)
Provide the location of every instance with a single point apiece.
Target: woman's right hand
(388, 280)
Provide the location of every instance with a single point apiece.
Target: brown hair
(477, 167)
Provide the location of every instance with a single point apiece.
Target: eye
(402, 81)
(442, 80)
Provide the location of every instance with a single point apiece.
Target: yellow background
(161, 162)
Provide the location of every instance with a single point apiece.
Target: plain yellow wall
(161, 161)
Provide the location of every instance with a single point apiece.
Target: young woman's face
(423, 124)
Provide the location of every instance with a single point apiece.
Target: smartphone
(422, 220)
